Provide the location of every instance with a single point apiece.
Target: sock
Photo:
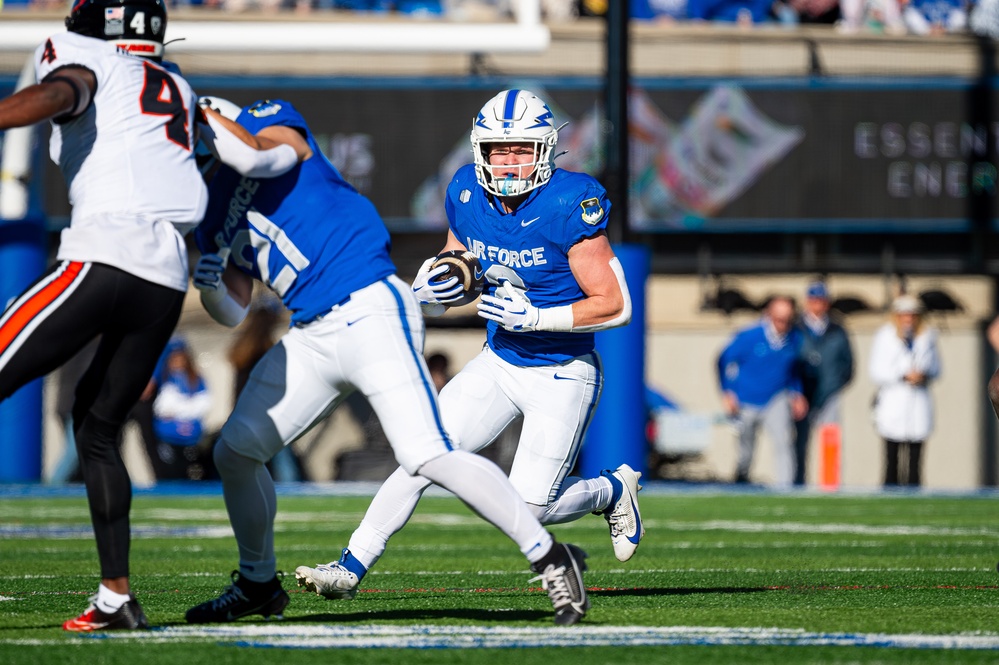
(108, 601)
(388, 512)
(348, 561)
(617, 488)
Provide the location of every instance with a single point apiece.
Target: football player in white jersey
(552, 280)
(322, 247)
(123, 136)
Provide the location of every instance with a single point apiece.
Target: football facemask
(514, 116)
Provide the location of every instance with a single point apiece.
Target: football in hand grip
(466, 267)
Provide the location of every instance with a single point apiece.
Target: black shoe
(127, 617)
(563, 580)
(242, 598)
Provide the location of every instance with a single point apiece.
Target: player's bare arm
(66, 92)
(452, 243)
(592, 262)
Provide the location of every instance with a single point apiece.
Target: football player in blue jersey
(552, 280)
(322, 247)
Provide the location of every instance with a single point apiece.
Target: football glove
(509, 308)
(511, 311)
(434, 296)
(208, 271)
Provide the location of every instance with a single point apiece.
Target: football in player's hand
(466, 267)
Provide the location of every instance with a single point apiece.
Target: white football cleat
(330, 580)
(626, 528)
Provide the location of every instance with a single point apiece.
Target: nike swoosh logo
(563, 378)
(478, 274)
(529, 222)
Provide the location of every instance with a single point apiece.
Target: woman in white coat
(904, 359)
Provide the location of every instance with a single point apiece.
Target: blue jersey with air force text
(307, 234)
(530, 248)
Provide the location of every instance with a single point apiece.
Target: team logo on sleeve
(592, 211)
(264, 109)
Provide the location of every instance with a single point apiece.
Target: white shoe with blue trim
(624, 518)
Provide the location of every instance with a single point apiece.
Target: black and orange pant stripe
(67, 307)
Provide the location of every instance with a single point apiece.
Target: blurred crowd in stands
(892, 17)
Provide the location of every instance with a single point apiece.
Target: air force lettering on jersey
(146, 208)
(529, 248)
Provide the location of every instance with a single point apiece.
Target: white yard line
(296, 636)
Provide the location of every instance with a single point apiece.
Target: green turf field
(721, 577)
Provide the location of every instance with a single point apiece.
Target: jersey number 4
(161, 96)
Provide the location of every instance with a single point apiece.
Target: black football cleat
(563, 580)
(242, 598)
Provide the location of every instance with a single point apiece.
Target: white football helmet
(514, 116)
(223, 107)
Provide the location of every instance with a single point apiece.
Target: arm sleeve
(246, 160)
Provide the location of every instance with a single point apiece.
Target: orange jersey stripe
(37, 303)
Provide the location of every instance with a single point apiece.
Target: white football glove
(208, 271)
(434, 296)
(511, 310)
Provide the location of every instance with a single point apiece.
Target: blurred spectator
(255, 336)
(440, 369)
(873, 15)
(808, 11)
(264, 6)
(662, 11)
(984, 20)
(759, 376)
(935, 17)
(904, 359)
(992, 335)
(415, 8)
(826, 368)
(744, 12)
(182, 401)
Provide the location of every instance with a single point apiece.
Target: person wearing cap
(904, 360)
(759, 376)
(826, 368)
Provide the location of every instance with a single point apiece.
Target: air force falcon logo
(264, 109)
(592, 212)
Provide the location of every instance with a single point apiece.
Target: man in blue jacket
(760, 383)
(826, 368)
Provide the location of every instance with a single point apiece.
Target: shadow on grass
(676, 591)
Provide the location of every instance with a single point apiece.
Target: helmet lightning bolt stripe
(514, 116)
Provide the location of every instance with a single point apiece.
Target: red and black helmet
(137, 26)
